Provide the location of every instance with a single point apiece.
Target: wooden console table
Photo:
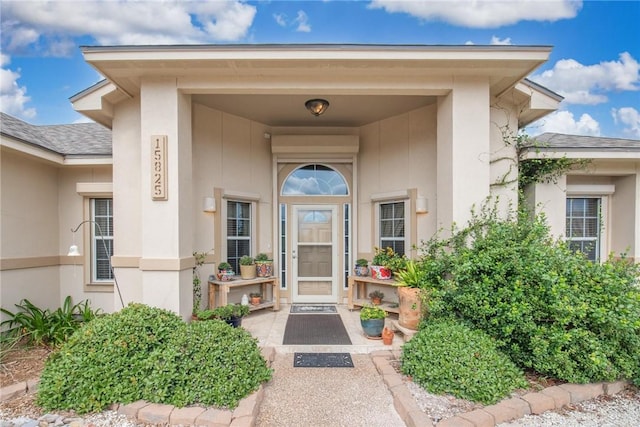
(222, 287)
(357, 294)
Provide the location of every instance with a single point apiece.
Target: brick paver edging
(506, 410)
(154, 413)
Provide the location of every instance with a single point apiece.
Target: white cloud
(503, 42)
(588, 84)
(281, 19)
(483, 13)
(630, 118)
(565, 122)
(13, 98)
(303, 22)
(55, 23)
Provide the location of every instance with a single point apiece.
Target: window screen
(583, 226)
(238, 232)
(392, 226)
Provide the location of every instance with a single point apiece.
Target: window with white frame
(239, 231)
(101, 240)
(583, 225)
(391, 226)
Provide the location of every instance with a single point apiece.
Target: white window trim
(94, 239)
(89, 284)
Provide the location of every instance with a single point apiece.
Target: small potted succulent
(264, 265)
(376, 297)
(255, 298)
(247, 267)
(362, 267)
(225, 271)
(372, 321)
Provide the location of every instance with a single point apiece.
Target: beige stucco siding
(40, 206)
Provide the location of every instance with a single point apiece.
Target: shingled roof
(79, 139)
(558, 141)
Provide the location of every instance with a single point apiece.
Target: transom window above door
(315, 180)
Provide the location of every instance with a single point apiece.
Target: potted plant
(225, 271)
(255, 298)
(409, 282)
(376, 297)
(362, 267)
(385, 262)
(247, 267)
(264, 265)
(230, 313)
(372, 321)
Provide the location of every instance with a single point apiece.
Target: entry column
(463, 151)
(166, 194)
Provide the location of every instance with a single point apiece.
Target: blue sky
(594, 63)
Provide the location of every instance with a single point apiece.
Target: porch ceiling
(289, 110)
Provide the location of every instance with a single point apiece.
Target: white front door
(314, 254)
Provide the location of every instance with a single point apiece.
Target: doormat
(322, 360)
(322, 329)
(313, 309)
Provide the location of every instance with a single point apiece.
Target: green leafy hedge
(550, 309)
(147, 353)
(447, 357)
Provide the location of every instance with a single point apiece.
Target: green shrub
(209, 363)
(550, 309)
(147, 353)
(445, 356)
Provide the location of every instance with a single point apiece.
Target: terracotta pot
(376, 301)
(387, 336)
(410, 307)
(255, 300)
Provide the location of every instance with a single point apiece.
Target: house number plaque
(159, 167)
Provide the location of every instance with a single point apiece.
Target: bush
(119, 357)
(550, 309)
(209, 363)
(447, 357)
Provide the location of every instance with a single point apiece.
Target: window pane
(238, 232)
(102, 239)
(583, 226)
(315, 180)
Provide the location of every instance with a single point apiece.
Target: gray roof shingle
(554, 141)
(80, 139)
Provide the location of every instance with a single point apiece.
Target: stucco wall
(397, 154)
(623, 216)
(29, 232)
(40, 206)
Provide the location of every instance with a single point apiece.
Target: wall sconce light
(422, 205)
(317, 107)
(74, 252)
(208, 204)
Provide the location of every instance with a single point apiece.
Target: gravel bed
(620, 410)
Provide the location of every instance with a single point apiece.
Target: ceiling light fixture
(317, 107)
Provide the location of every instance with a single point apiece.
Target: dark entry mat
(322, 360)
(312, 309)
(324, 329)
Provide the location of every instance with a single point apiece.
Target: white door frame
(333, 297)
